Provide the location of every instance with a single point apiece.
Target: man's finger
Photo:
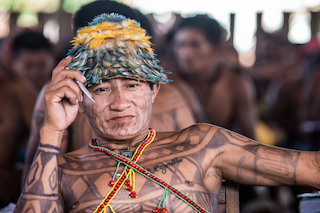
(66, 82)
(62, 64)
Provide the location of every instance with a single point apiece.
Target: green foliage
(35, 6)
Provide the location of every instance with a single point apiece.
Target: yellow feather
(95, 42)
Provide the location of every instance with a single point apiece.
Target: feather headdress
(114, 46)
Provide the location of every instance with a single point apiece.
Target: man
(31, 58)
(227, 98)
(170, 111)
(170, 171)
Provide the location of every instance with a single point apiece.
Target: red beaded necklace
(130, 167)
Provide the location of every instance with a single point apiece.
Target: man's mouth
(120, 119)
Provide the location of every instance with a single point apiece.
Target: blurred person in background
(226, 91)
(32, 59)
(226, 97)
(31, 62)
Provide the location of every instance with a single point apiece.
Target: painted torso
(180, 160)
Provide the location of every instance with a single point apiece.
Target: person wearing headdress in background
(170, 111)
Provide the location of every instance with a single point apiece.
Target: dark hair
(87, 12)
(151, 84)
(144, 21)
(209, 26)
(30, 40)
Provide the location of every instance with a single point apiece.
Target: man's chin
(124, 132)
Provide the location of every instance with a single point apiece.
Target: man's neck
(121, 143)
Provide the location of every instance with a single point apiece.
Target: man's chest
(91, 185)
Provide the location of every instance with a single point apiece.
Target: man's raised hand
(62, 96)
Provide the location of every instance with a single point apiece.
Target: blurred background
(298, 19)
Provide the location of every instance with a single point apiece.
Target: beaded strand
(133, 165)
(116, 185)
(158, 181)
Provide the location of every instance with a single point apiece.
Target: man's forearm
(41, 192)
(308, 170)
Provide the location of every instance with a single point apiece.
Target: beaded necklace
(126, 153)
(128, 172)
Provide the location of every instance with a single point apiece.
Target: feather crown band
(115, 46)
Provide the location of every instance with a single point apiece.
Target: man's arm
(34, 137)
(245, 161)
(41, 191)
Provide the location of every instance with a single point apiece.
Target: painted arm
(34, 137)
(41, 191)
(245, 161)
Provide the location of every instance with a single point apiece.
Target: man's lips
(123, 118)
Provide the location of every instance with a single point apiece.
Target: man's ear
(155, 90)
(81, 110)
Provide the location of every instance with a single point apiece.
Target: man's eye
(132, 85)
(195, 45)
(102, 89)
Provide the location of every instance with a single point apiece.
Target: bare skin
(185, 89)
(227, 98)
(235, 108)
(199, 156)
(169, 113)
(34, 66)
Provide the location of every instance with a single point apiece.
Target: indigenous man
(129, 167)
(32, 59)
(227, 98)
(170, 111)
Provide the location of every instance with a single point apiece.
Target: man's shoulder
(194, 139)
(195, 129)
(237, 83)
(79, 154)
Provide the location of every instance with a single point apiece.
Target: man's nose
(185, 52)
(119, 101)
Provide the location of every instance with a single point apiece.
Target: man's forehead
(119, 79)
